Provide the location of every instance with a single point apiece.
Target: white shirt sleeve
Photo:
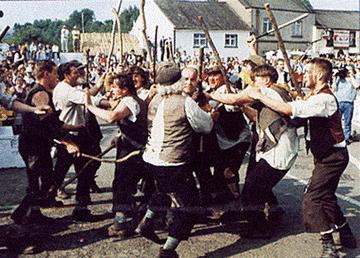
(320, 105)
(76, 95)
(199, 120)
(133, 106)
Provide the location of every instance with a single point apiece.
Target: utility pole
(82, 22)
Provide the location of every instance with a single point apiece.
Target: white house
(178, 20)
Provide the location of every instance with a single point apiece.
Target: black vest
(37, 135)
(325, 131)
(230, 124)
(134, 135)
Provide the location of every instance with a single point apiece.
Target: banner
(341, 38)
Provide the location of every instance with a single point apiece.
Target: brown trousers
(320, 208)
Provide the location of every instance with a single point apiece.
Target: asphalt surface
(69, 239)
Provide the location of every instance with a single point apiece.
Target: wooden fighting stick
(142, 13)
(217, 56)
(111, 50)
(282, 47)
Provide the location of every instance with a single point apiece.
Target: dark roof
(348, 20)
(216, 15)
(290, 5)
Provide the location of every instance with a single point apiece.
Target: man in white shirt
(172, 120)
(233, 137)
(276, 150)
(64, 38)
(328, 146)
(69, 99)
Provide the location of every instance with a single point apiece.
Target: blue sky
(28, 11)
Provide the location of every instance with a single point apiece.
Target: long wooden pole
(155, 53)
(282, 46)
(284, 25)
(145, 38)
(217, 56)
(111, 50)
(117, 17)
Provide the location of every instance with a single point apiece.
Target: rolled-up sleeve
(321, 105)
(199, 120)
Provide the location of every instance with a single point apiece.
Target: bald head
(189, 75)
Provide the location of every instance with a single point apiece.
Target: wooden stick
(63, 185)
(284, 25)
(142, 13)
(117, 17)
(111, 50)
(282, 46)
(200, 64)
(171, 50)
(217, 56)
(155, 53)
(3, 32)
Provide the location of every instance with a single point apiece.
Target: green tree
(48, 31)
(128, 17)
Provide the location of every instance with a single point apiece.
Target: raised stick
(282, 46)
(111, 50)
(284, 25)
(142, 13)
(217, 56)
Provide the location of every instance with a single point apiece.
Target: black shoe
(146, 229)
(51, 203)
(84, 215)
(21, 242)
(329, 249)
(167, 253)
(121, 230)
(347, 238)
(36, 217)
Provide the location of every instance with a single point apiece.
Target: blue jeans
(347, 111)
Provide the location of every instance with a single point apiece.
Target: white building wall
(184, 40)
(154, 17)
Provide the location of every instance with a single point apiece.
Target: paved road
(68, 239)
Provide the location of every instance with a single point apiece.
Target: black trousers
(178, 182)
(320, 208)
(85, 180)
(231, 159)
(258, 185)
(127, 176)
(39, 171)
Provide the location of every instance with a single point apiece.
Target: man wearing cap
(69, 99)
(64, 39)
(172, 120)
(233, 138)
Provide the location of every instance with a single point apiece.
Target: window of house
(296, 29)
(266, 25)
(231, 40)
(352, 39)
(199, 40)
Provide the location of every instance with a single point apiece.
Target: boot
(329, 249)
(167, 253)
(347, 238)
(121, 230)
(146, 229)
